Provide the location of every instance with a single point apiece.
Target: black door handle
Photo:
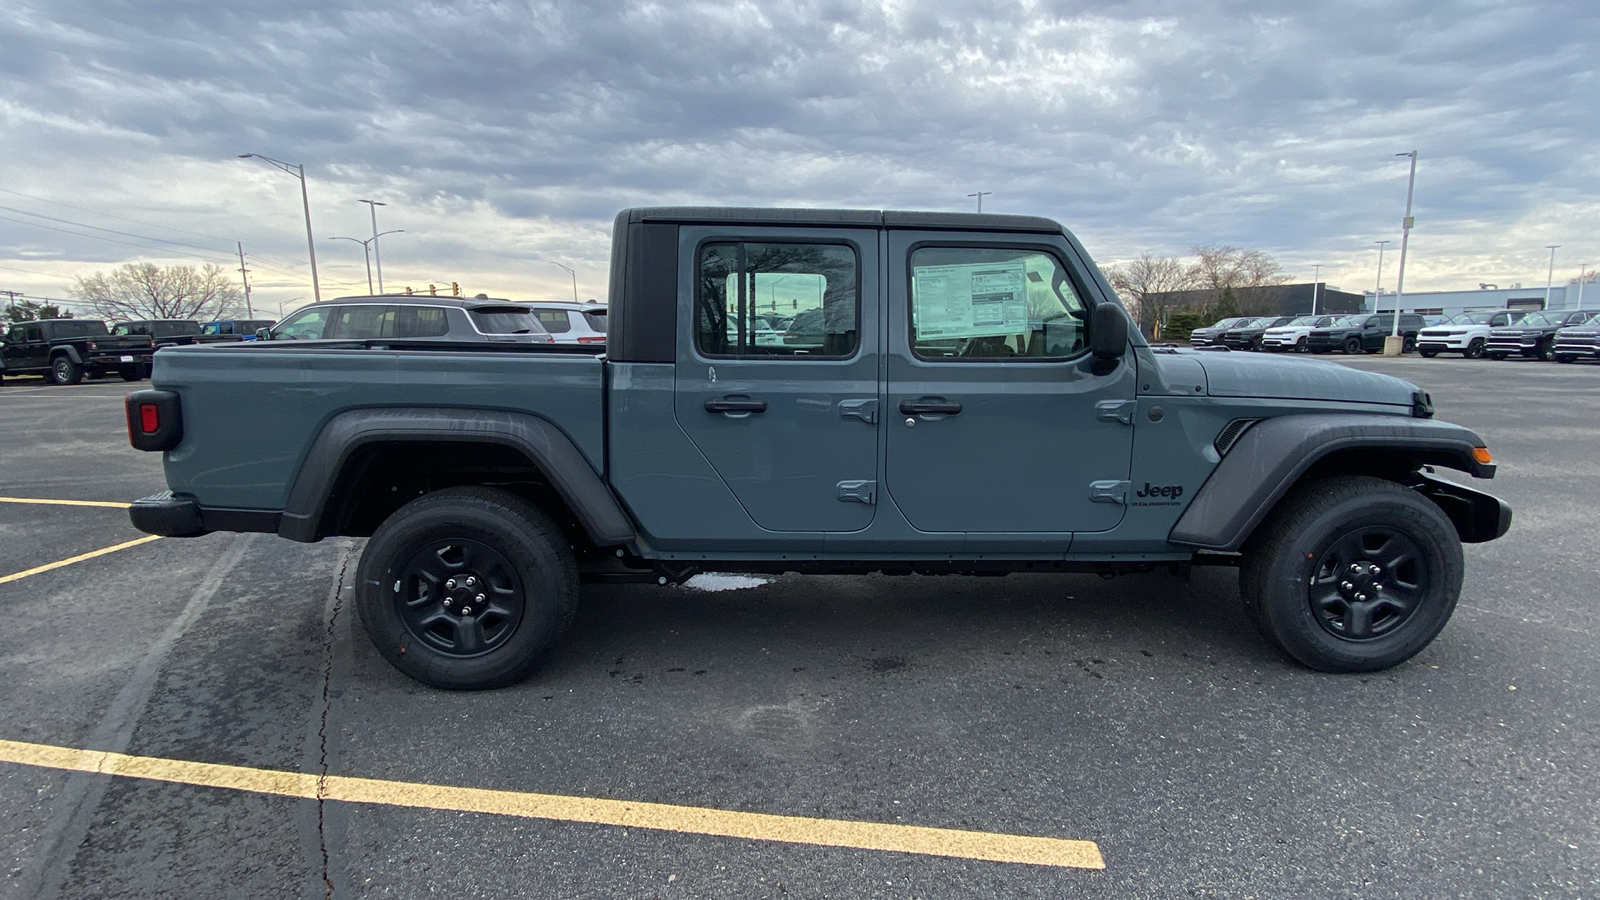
(930, 406)
(735, 405)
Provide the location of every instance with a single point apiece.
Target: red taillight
(591, 340)
(149, 418)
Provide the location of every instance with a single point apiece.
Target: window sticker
(973, 300)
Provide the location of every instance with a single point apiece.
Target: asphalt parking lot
(1140, 716)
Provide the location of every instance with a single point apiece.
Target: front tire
(1497, 356)
(1428, 354)
(1565, 358)
(464, 588)
(1352, 345)
(1352, 574)
(64, 371)
(1303, 345)
(1474, 349)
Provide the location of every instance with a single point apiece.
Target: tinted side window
(554, 320)
(506, 320)
(741, 286)
(982, 303)
(418, 321)
(360, 323)
(305, 326)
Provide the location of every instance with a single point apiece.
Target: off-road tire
(64, 371)
(1299, 561)
(413, 586)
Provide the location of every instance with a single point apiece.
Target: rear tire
(64, 371)
(1408, 344)
(1352, 574)
(464, 588)
(131, 373)
(1545, 350)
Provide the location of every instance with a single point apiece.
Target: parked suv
(1364, 333)
(400, 316)
(168, 332)
(572, 323)
(1535, 334)
(1247, 335)
(1579, 340)
(238, 329)
(1205, 337)
(1293, 335)
(1466, 334)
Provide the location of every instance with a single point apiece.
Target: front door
(999, 419)
(777, 371)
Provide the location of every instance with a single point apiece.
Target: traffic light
(433, 291)
(455, 289)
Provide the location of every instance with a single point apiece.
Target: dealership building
(1489, 296)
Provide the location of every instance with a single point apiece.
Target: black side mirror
(263, 334)
(1108, 331)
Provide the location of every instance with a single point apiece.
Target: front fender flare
(1271, 455)
(541, 441)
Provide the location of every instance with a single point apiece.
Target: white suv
(1466, 333)
(1295, 335)
(572, 323)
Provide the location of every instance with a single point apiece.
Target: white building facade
(1447, 303)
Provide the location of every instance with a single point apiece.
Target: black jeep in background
(1247, 334)
(1364, 333)
(1212, 334)
(65, 350)
(1534, 335)
(171, 332)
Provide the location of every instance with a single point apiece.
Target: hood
(1271, 377)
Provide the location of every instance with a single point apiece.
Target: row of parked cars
(65, 351)
(1562, 335)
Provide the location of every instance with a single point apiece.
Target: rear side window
(506, 320)
(988, 302)
(419, 322)
(360, 322)
(71, 329)
(741, 288)
(597, 321)
(554, 320)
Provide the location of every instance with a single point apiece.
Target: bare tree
(1219, 266)
(1143, 282)
(145, 291)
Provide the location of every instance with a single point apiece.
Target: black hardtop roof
(148, 321)
(47, 321)
(841, 218)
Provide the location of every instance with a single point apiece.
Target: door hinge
(1116, 411)
(865, 410)
(1108, 492)
(859, 492)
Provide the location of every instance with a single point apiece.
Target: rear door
(790, 425)
(998, 418)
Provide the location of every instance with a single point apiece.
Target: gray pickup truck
(951, 393)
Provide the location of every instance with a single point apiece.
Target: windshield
(1348, 321)
(1537, 319)
(1303, 320)
(506, 320)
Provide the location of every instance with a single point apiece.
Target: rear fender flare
(556, 456)
(1266, 461)
(68, 351)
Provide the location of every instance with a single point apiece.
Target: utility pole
(980, 195)
(244, 275)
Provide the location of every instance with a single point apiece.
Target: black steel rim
(1368, 583)
(461, 598)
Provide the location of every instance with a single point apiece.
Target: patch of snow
(716, 581)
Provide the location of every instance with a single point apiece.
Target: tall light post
(1394, 345)
(1377, 292)
(298, 171)
(372, 206)
(1580, 285)
(1550, 274)
(1316, 283)
(370, 245)
(980, 195)
(569, 271)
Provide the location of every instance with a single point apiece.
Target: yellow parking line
(41, 502)
(1009, 848)
(18, 576)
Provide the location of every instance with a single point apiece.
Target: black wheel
(1408, 344)
(1352, 574)
(1474, 349)
(1546, 349)
(64, 371)
(1302, 345)
(1497, 355)
(1255, 343)
(1428, 354)
(464, 588)
(1352, 345)
(1565, 358)
(131, 373)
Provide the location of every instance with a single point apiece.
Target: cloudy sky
(503, 137)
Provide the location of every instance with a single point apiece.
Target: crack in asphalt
(322, 725)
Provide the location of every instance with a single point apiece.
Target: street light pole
(1377, 292)
(1395, 345)
(298, 171)
(372, 206)
(980, 195)
(1316, 272)
(1580, 285)
(571, 272)
(1550, 274)
(370, 247)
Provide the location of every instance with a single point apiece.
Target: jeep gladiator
(955, 393)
